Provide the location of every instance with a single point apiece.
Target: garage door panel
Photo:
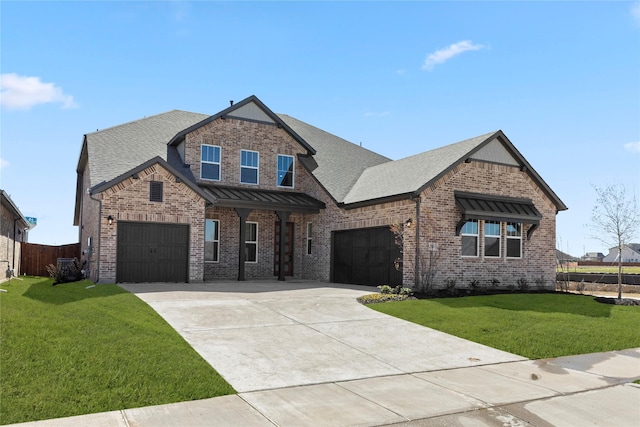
(365, 256)
(152, 252)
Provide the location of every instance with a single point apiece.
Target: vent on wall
(155, 191)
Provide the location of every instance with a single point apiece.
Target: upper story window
(514, 240)
(210, 162)
(492, 239)
(285, 171)
(470, 240)
(249, 166)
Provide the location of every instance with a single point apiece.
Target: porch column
(243, 214)
(283, 216)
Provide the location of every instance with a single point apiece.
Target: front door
(288, 250)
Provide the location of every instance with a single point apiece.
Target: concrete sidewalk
(309, 354)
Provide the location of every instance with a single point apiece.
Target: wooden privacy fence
(34, 258)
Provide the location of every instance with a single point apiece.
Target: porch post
(283, 216)
(243, 214)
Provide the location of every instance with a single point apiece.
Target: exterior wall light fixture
(110, 219)
(408, 223)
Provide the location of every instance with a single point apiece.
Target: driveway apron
(268, 335)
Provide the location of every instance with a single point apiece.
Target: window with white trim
(309, 237)
(514, 240)
(492, 239)
(249, 166)
(285, 171)
(470, 238)
(251, 242)
(212, 240)
(210, 162)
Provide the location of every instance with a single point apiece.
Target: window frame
(476, 235)
(498, 236)
(309, 237)
(219, 162)
(278, 170)
(215, 241)
(256, 168)
(519, 237)
(250, 242)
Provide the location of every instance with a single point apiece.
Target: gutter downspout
(13, 263)
(99, 234)
(417, 240)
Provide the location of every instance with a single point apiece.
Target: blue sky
(561, 79)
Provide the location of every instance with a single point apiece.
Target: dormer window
(249, 166)
(285, 171)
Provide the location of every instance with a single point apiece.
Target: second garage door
(152, 252)
(366, 256)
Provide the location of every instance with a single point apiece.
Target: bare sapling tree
(615, 220)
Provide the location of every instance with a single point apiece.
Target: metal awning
(496, 208)
(236, 197)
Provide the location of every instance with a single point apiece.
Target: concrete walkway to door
(266, 335)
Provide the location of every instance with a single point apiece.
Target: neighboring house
(188, 197)
(593, 256)
(630, 253)
(563, 257)
(14, 228)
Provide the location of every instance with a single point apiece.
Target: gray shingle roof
(116, 150)
(340, 162)
(410, 174)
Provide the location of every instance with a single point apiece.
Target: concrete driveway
(267, 335)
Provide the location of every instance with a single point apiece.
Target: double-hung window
(210, 162)
(212, 240)
(492, 239)
(514, 240)
(285, 171)
(251, 242)
(470, 239)
(249, 166)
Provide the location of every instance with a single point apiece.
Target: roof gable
(251, 109)
(411, 175)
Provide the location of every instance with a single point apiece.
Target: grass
(535, 326)
(70, 350)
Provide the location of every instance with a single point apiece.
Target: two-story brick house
(188, 197)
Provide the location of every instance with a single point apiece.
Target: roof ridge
(142, 119)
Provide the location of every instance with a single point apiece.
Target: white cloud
(22, 93)
(3, 163)
(634, 147)
(442, 55)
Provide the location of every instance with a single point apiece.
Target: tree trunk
(620, 271)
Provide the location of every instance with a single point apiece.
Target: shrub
(385, 289)
(475, 286)
(539, 282)
(450, 286)
(523, 284)
(64, 273)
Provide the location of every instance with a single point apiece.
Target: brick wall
(439, 215)
(129, 201)
(89, 229)
(9, 244)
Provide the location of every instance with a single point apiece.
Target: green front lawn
(535, 326)
(70, 350)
